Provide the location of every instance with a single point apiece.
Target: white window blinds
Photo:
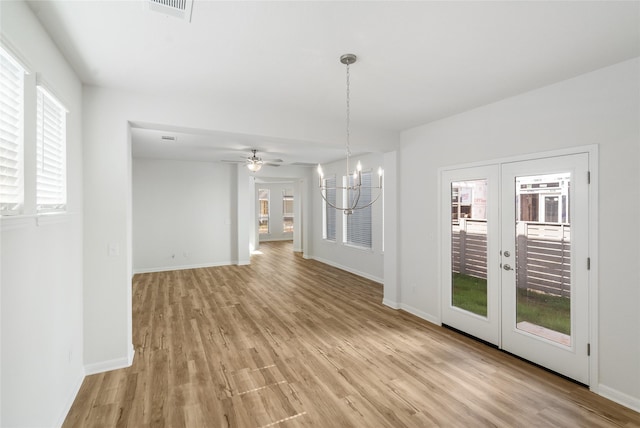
(11, 135)
(263, 220)
(329, 213)
(51, 192)
(357, 227)
(287, 210)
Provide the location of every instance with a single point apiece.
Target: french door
(516, 257)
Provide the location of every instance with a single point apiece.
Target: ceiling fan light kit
(254, 163)
(353, 191)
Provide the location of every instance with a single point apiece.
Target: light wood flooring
(288, 342)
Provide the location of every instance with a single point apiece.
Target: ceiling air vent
(178, 8)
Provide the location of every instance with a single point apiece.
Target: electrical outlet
(113, 249)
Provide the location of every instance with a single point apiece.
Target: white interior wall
(243, 215)
(368, 263)
(182, 214)
(41, 259)
(107, 193)
(603, 108)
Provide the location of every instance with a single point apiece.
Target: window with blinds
(329, 213)
(11, 135)
(287, 210)
(357, 226)
(263, 219)
(51, 188)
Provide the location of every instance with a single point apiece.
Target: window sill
(26, 220)
(355, 247)
(52, 218)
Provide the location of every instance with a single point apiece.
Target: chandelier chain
(348, 112)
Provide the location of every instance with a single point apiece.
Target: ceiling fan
(254, 162)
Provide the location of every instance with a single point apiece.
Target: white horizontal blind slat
(358, 225)
(329, 213)
(287, 210)
(11, 135)
(51, 154)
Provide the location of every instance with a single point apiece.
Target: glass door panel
(469, 246)
(545, 281)
(543, 258)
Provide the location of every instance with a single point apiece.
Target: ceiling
(417, 61)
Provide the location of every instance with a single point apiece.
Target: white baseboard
(132, 354)
(115, 364)
(617, 396)
(420, 314)
(348, 269)
(390, 303)
(70, 400)
(183, 267)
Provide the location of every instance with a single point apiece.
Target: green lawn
(552, 312)
(470, 293)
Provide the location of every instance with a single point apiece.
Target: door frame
(593, 222)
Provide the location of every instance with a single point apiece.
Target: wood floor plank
(289, 342)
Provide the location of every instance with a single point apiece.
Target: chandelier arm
(369, 204)
(354, 208)
(332, 205)
(340, 187)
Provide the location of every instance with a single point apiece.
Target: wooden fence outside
(543, 252)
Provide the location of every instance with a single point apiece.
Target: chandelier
(254, 163)
(353, 179)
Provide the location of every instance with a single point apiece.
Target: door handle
(507, 267)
